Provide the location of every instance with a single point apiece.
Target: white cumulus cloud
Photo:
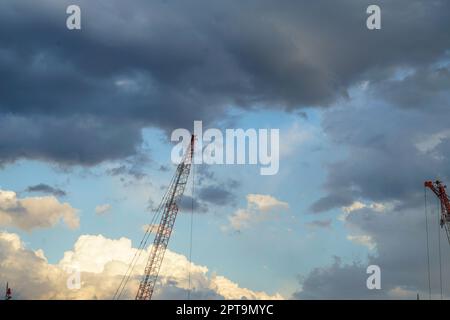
(35, 212)
(363, 240)
(260, 207)
(357, 205)
(101, 263)
(103, 208)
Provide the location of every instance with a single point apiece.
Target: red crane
(169, 214)
(168, 209)
(8, 294)
(438, 189)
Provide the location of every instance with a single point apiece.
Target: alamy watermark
(74, 277)
(373, 22)
(73, 21)
(238, 146)
(374, 280)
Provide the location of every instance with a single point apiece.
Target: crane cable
(428, 246)
(439, 241)
(191, 231)
(135, 259)
(131, 266)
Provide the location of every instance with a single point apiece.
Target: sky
(86, 118)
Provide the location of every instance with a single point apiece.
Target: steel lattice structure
(169, 214)
(438, 189)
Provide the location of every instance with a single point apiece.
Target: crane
(8, 294)
(438, 189)
(169, 207)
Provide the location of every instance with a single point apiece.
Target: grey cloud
(174, 291)
(216, 194)
(400, 239)
(73, 140)
(118, 171)
(204, 174)
(331, 201)
(338, 281)
(45, 188)
(214, 190)
(166, 63)
(320, 223)
(133, 166)
(424, 88)
(385, 164)
(163, 168)
(187, 204)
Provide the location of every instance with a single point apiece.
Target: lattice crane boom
(169, 214)
(438, 189)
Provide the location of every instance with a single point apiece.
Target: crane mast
(169, 214)
(8, 294)
(438, 189)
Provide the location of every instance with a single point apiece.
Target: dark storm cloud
(401, 254)
(45, 188)
(73, 140)
(389, 154)
(337, 282)
(165, 63)
(424, 88)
